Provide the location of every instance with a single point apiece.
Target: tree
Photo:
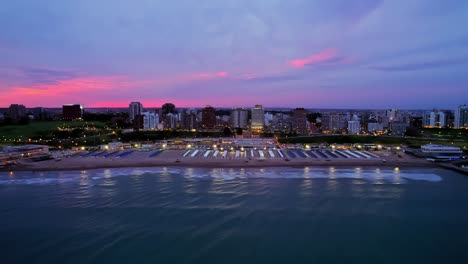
(312, 117)
(227, 132)
(23, 121)
(222, 112)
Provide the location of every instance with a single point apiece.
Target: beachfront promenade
(249, 157)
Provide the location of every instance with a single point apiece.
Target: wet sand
(174, 158)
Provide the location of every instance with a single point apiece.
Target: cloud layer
(323, 54)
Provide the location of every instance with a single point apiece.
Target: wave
(387, 176)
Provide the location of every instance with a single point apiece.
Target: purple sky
(295, 53)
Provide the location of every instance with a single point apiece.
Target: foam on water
(377, 176)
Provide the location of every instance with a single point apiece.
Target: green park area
(37, 130)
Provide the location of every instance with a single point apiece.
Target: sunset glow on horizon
(313, 54)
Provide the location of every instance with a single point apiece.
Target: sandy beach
(176, 158)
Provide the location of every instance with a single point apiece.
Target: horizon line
(248, 107)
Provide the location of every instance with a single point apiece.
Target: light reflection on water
(379, 179)
(331, 173)
(174, 215)
(106, 177)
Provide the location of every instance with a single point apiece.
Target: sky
(407, 54)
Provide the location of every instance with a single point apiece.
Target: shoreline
(109, 164)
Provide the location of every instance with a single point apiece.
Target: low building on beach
(437, 152)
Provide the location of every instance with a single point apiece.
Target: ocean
(251, 215)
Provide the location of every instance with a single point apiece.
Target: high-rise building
(280, 122)
(434, 119)
(374, 126)
(398, 128)
(239, 118)
(171, 120)
(17, 112)
(461, 117)
(268, 118)
(392, 115)
(135, 108)
(441, 120)
(299, 122)
(334, 121)
(258, 117)
(188, 119)
(208, 117)
(150, 120)
(354, 126)
(72, 111)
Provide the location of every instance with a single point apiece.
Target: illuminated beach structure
(440, 150)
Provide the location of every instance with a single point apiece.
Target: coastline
(86, 164)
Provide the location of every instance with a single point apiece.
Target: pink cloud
(326, 56)
(248, 76)
(90, 89)
(62, 91)
(204, 75)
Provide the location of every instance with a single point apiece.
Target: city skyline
(242, 106)
(311, 54)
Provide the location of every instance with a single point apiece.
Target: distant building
(72, 111)
(299, 122)
(461, 117)
(17, 112)
(334, 121)
(226, 118)
(392, 115)
(268, 118)
(239, 118)
(313, 128)
(354, 125)
(188, 120)
(135, 108)
(398, 128)
(374, 126)
(258, 118)
(280, 123)
(208, 117)
(171, 120)
(223, 121)
(434, 119)
(40, 113)
(150, 120)
(385, 120)
(416, 122)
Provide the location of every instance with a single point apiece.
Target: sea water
(219, 215)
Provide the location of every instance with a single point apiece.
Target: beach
(177, 158)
